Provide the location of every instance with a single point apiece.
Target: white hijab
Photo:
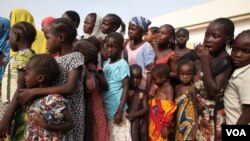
(97, 31)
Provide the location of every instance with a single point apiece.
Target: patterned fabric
(51, 108)
(120, 132)
(114, 74)
(161, 113)
(76, 104)
(186, 119)
(18, 61)
(19, 14)
(141, 22)
(165, 59)
(143, 56)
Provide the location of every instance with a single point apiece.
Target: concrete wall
(197, 18)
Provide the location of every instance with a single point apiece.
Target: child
(186, 119)
(21, 37)
(116, 71)
(95, 84)
(165, 52)
(73, 16)
(60, 35)
(111, 23)
(161, 105)
(182, 36)
(151, 34)
(236, 96)
(137, 105)
(139, 52)
(46, 21)
(216, 69)
(48, 117)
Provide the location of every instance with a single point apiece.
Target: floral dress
(76, 104)
(51, 108)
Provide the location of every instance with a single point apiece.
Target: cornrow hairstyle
(228, 27)
(64, 26)
(135, 67)
(154, 29)
(161, 70)
(183, 30)
(88, 50)
(118, 39)
(46, 65)
(117, 21)
(245, 32)
(171, 42)
(74, 17)
(26, 31)
(186, 62)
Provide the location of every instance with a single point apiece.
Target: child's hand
(204, 55)
(39, 120)
(164, 132)
(130, 117)
(25, 96)
(118, 117)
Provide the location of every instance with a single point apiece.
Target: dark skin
(162, 90)
(136, 114)
(162, 39)
(17, 43)
(135, 35)
(214, 42)
(114, 52)
(181, 39)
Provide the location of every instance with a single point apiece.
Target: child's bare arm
(6, 120)
(26, 95)
(119, 112)
(169, 92)
(173, 68)
(244, 118)
(142, 111)
(66, 126)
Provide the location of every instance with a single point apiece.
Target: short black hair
(186, 62)
(153, 29)
(161, 70)
(46, 65)
(74, 17)
(119, 39)
(117, 22)
(135, 67)
(183, 30)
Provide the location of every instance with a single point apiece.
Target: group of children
(102, 87)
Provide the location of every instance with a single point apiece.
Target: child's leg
(120, 132)
(144, 129)
(135, 129)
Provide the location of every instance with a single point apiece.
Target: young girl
(93, 26)
(161, 105)
(111, 23)
(165, 52)
(73, 16)
(137, 105)
(139, 52)
(48, 117)
(151, 35)
(216, 68)
(186, 119)
(21, 37)
(60, 35)
(95, 84)
(116, 71)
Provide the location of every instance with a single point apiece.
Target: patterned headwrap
(141, 22)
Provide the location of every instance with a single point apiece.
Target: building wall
(197, 18)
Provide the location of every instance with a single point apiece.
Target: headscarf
(17, 15)
(4, 44)
(47, 20)
(97, 31)
(141, 22)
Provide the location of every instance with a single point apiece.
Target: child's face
(158, 79)
(163, 35)
(181, 38)
(215, 37)
(106, 25)
(186, 74)
(241, 51)
(149, 36)
(13, 40)
(113, 50)
(31, 77)
(134, 32)
(135, 79)
(52, 41)
(89, 24)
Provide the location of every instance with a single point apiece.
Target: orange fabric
(161, 113)
(164, 59)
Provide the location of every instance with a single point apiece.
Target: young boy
(236, 96)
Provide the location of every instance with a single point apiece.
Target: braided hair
(228, 27)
